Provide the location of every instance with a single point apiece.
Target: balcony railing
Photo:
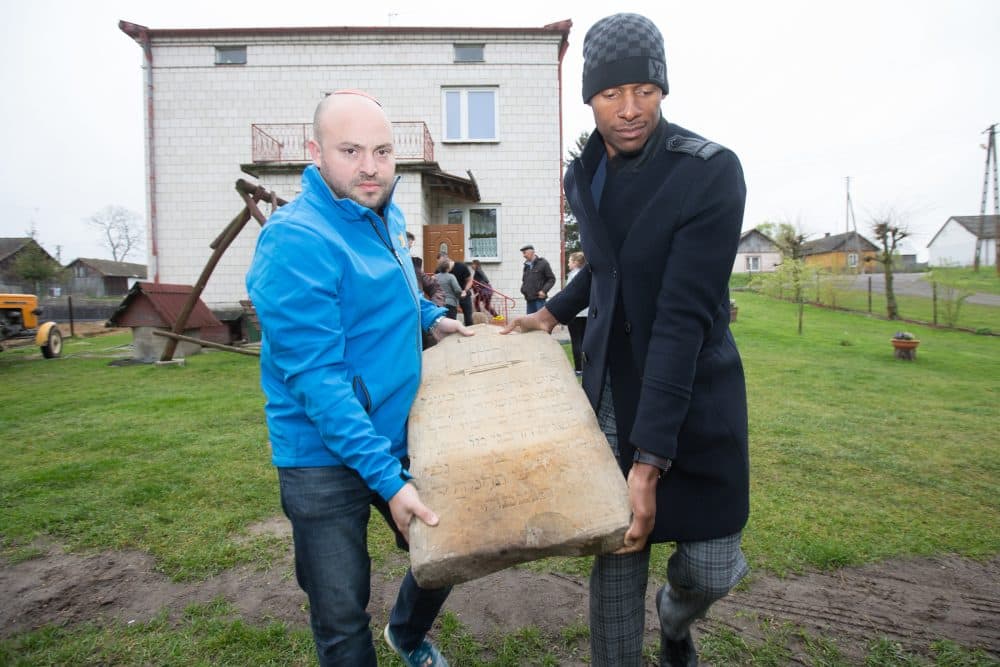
(286, 142)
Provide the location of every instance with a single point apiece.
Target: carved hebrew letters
(505, 447)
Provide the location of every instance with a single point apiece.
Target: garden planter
(905, 349)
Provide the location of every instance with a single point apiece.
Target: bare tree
(889, 230)
(121, 230)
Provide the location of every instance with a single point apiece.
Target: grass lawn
(856, 457)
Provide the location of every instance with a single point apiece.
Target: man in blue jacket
(341, 314)
(660, 211)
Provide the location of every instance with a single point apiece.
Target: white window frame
(467, 223)
(852, 259)
(751, 261)
(463, 137)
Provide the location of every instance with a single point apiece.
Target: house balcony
(280, 149)
(285, 143)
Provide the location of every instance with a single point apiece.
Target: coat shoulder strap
(694, 146)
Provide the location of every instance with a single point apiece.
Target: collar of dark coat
(594, 151)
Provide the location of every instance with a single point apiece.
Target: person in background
(578, 325)
(428, 284)
(340, 314)
(483, 291)
(464, 277)
(449, 287)
(536, 279)
(660, 210)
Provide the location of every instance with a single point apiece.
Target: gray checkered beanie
(620, 49)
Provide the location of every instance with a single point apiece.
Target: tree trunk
(892, 310)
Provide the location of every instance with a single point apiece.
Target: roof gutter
(140, 34)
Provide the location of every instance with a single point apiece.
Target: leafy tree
(121, 230)
(34, 265)
(792, 275)
(571, 228)
(889, 230)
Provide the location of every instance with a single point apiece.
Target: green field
(856, 457)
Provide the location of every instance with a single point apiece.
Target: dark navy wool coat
(659, 320)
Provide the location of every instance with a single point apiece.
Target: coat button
(593, 311)
(628, 327)
(614, 274)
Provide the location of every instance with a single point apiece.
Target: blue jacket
(340, 314)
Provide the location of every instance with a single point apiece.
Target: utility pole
(849, 222)
(991, 160)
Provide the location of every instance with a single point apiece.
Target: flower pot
(905, 349)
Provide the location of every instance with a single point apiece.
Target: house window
(469, 53)
(753, 263)
(470, 114)
(231, 55)
(852, 259)
(482, 229)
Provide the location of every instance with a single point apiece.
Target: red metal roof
(166, 301)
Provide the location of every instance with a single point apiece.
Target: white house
(756, 253)
(476, 114)
(955, 243)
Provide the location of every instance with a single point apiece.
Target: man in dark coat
(660, 210)
(536, 279)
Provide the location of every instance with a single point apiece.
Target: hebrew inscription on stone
(506, 449)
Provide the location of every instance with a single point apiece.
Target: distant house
(841, 252)
(756, 253)
(11, 249)
(103, 277)
(955, 243)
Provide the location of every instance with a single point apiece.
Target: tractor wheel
(53, 348)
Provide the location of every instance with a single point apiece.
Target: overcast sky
(894, 94)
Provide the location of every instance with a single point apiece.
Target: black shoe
(675, 652)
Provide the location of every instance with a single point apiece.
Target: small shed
(151, 306)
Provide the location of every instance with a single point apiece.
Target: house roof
(971, 224)
(8, 246)
(112, 269)
(838, 243)
(168, 301)
(139, 32)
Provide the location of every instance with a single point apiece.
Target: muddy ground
(913, 602)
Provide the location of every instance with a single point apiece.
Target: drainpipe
(563, 47)
(140, 34)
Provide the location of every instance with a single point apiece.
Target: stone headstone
(506, 449)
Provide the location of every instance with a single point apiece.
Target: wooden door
(443, 238)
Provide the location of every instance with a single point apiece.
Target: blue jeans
(329, 510)
(534, 305)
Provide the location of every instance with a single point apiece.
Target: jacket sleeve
(306, 346)
(693, 285)
(571, 299)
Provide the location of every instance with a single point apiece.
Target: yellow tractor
(19, 315)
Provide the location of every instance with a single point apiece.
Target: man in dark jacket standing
(660, 210)
(536, 280)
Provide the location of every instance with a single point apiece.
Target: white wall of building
(955, 245)
(204, 112)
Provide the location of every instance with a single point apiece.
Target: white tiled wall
(203, 115)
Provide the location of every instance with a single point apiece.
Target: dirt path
(910, 601)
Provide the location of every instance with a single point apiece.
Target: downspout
(563, 47)
(140, 34)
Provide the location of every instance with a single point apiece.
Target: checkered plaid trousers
(698, 574)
